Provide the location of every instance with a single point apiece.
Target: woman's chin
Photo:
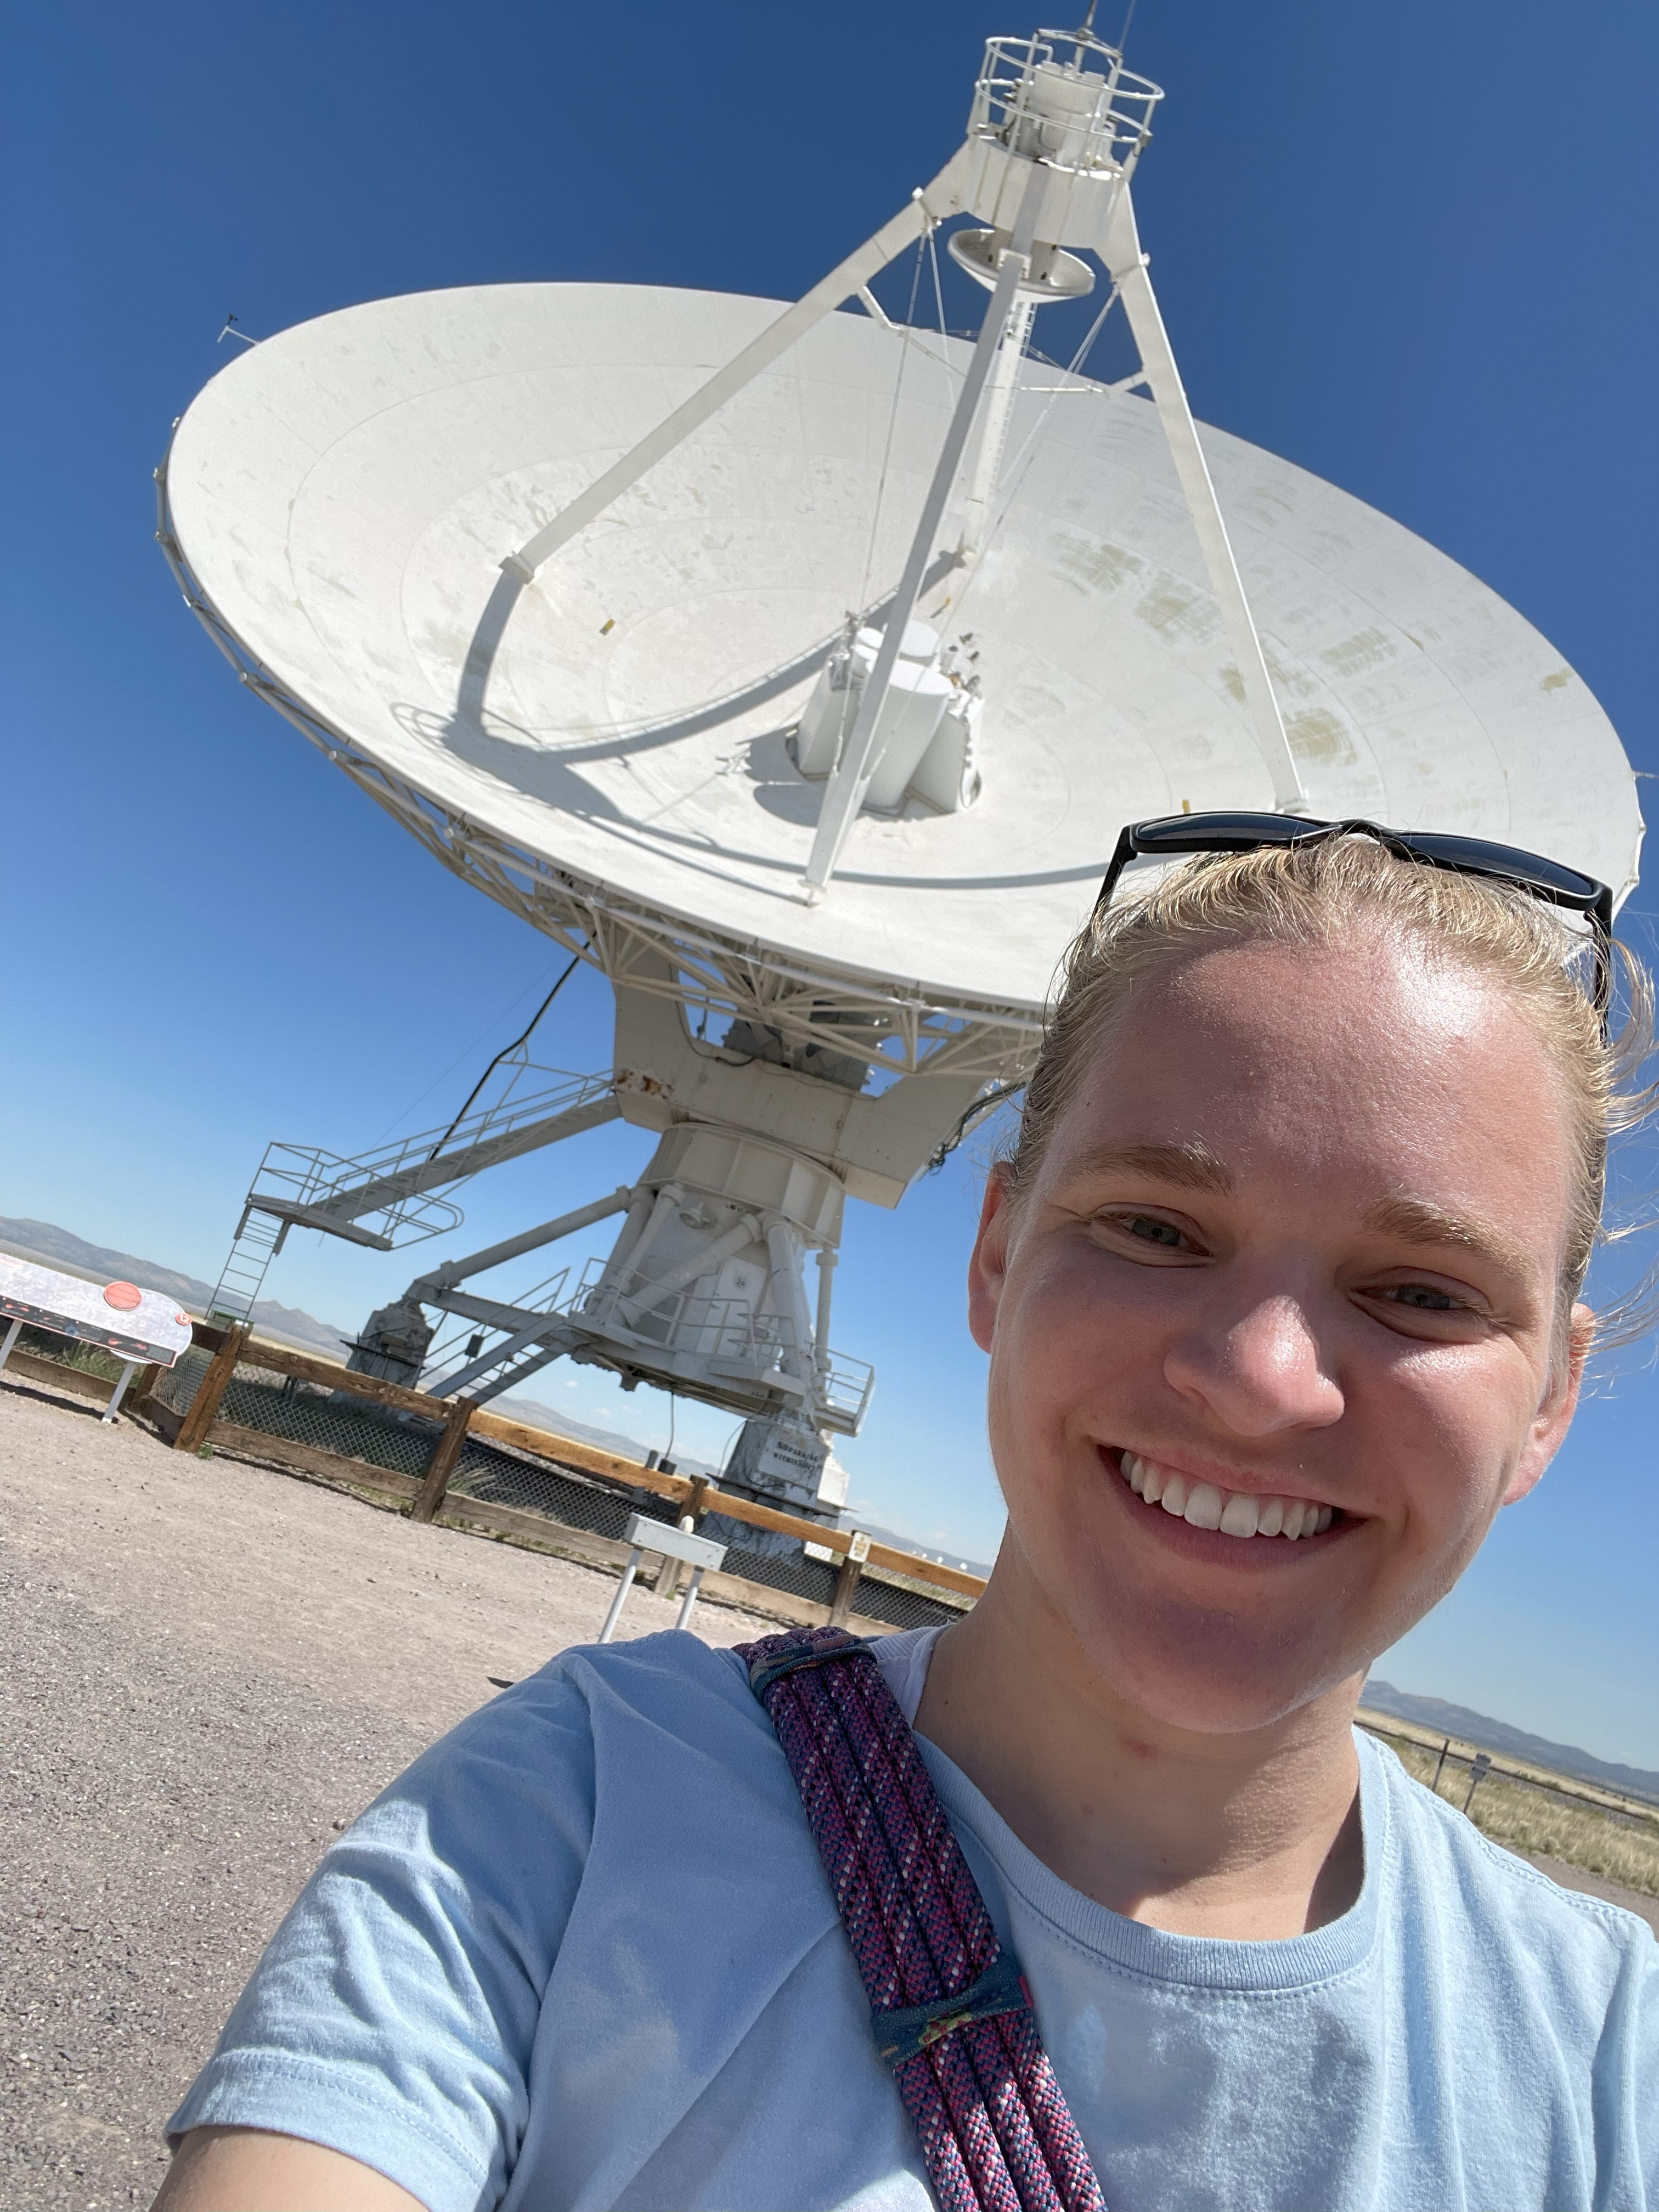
(1207, 1674)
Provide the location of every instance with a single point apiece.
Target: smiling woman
(1316, 1145)
(1280, 1288)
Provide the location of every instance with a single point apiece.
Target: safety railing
(389, 1186)
(296, 1179)
(1065, 98)
(725, 1330)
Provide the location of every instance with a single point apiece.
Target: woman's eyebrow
(1418, 1221)
(1190, 1166)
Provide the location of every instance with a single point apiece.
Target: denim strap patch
(764, 1673)
(905, 2034)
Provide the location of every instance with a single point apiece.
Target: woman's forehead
(1361, 1052)
(1374, 998)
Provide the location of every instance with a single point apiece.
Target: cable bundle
(952, 2016)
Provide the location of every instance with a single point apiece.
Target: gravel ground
(207, 1669)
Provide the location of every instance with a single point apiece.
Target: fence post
(204, 1406)
(668, 1574)
(442, 1465)
(1438, 1764)
(847, 1581)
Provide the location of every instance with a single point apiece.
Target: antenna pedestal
(705, 1291)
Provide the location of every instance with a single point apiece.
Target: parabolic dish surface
(345, 492)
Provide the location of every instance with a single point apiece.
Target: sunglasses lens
(1476, 856)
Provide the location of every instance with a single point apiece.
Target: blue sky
(1411, 249)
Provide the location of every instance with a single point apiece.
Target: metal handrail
(311, 1176)
(460, 1136)
(308, 1175)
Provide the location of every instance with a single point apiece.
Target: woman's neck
(1253, 1837)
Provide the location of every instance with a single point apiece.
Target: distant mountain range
(1499, 1736)
(45, 1241)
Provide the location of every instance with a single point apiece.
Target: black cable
(501, 1055)
(985, 1104)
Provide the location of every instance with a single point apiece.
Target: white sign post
(644, 1534)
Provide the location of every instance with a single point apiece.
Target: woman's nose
(1258, 1368)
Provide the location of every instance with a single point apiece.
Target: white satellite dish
(800, 671)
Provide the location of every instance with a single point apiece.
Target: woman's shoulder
(597, 1713)
(671, 1679)
(1457, 1886)
(675, 1686)
(587, 1776)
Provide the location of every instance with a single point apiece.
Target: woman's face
(1297, 1236)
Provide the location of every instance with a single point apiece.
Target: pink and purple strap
(951, 2015)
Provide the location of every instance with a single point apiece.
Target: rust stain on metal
(1177, 609)
(1316, 735)
(1369, 649)
(1098, 567)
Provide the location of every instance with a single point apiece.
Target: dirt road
(205, 1669)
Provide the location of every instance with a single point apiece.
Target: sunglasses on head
(1171, 836)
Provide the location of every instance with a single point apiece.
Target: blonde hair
(1312, 893)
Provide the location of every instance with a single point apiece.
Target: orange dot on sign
(124, 1296)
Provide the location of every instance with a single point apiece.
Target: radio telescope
(797, 671)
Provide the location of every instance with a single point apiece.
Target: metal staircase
(389, 1196)
(453, 1364)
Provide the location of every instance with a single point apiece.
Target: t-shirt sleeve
(1626, 2082)
(394, 2013)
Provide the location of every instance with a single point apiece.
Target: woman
(1280, 1291)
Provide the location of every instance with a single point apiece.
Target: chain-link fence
(333, 1419)
(305, 1413)
(495, 1475)
(176, 1386)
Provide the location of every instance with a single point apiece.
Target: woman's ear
(1554, 1416)
(987, 1264)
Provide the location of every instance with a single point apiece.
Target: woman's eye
(1424, 1296)
(1154, 1232)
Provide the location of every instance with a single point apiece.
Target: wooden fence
(200, 1426)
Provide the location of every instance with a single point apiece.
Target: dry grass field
(1615, 1837)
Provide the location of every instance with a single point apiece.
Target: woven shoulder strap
(951, 2015)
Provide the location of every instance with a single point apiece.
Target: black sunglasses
(1172, 835)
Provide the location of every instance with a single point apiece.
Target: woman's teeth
(1234, 1512)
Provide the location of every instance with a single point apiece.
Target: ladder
(258, 1239)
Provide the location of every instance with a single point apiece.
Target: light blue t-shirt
(583, 1955)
